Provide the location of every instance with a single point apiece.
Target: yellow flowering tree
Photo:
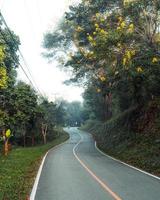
(3, 72)
(120, 37)
(3, 78)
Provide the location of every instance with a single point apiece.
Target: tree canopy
(22, 110)
(113, 48)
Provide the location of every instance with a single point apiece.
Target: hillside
(133, 137)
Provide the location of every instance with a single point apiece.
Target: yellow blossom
(90, 54)
(103, 32)
(155, 60)
(90, 38)
(127, 2)
(102, 78)
(3, 78)
(118, 28)
(98, 90)
(119, 45)
(97, 29)
(93, 43)
(133, 52)
(157, 37)
(124, 61)
(120, 19)
(2, 54)
(102, 19)
(97, 14)
(128, 55)
(96, 25)
(139, 69)
(131, 28)
(123, 24)
(79, 29)
(8, 133)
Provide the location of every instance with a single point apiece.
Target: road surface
(77, 171)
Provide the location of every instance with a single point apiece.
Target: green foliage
(19, 168)
(20, 109)
(115, 53)
(25, 102)
(132, 136)
(114, 50)
(73, 112)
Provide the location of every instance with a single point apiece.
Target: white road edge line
(135, 168)
(34, 189)
(103, 185)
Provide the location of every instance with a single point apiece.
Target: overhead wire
(15, 60)
(32, 82)
(32, 30)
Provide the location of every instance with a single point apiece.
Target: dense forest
(112, 49)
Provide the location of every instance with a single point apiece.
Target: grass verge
(143, 154)
(121, 138)
(19, 168)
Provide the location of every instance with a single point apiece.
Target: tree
(114, 50)
(73, 113)
(8, 63)
(49, 115)
(25, 102)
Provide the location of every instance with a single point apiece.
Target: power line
(15, 60)
(32, 82)
(26, 64)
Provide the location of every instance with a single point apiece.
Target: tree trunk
(44, 132)
(44, 139)
(6, 147)
(108, 105)
(32, 140)
(24, 140)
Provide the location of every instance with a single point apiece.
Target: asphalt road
(77, 171)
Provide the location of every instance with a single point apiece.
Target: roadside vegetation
(18, 170)
(30, 124)
(113, 49)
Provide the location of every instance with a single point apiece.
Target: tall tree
(114, 45)
(25, 102)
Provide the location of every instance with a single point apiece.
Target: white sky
(30, 19)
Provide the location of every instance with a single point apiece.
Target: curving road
(77, 171)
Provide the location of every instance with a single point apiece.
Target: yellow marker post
(7, 135)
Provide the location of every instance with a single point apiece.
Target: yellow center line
(103, 185)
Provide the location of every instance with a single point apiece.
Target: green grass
(19, 168)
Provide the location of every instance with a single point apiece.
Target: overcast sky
(30, 19)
